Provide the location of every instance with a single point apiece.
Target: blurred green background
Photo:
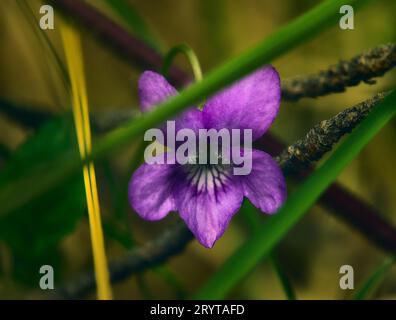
(315, 249)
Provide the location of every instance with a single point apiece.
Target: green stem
(283, 278)
(191, 56)
(252, 216)
(143, 287)
(172, 280)
(262, 242)
(372, 283)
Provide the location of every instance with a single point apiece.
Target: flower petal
(207, 204)
(149, 190)
(265, 186)
(190, 119)
(250, 103)
(153, 89)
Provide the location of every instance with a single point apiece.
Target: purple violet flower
(207, 208)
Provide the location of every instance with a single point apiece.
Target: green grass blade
(296, 32)
(49, 49)
(283, 278)
(168, 276)
(252, 217)
(373, 282)
(134, 21)
(263, 241)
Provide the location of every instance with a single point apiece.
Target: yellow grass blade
(72, 46)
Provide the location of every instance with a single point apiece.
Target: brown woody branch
(346, 73)
(323, 136)
(169, 243)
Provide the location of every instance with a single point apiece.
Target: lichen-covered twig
(174, 239)
(169, 243)
(31, 118)
(323, 136)
(346, 73)
(345, 205)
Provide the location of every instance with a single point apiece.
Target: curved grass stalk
(48, 48)
(373, 282)
(73, 51)
(191, 56)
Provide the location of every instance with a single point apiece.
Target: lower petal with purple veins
(207, 200)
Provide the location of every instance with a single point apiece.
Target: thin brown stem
(346, 73)
(321, 138)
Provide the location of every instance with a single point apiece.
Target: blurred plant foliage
(33, 232)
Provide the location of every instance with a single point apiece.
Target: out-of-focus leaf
(4, 154)
(214, 26)
(34, 231)
(133, 19)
